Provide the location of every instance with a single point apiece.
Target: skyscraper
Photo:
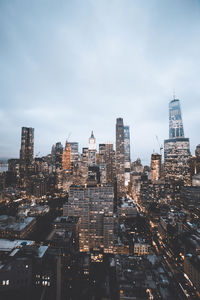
(177, 147)
(58, 151)
(110, 163)
(120, 157)
(127, 159)
(27, 150)
(66, 157)
(74, 152)
(175, 120)
(92, 150)
(155, 166)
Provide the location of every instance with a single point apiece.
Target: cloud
(75, 66)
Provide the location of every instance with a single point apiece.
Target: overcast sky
(75, 66)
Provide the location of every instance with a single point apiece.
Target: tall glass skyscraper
(177, 147)
(175, 120)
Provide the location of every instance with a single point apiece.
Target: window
(5, 282)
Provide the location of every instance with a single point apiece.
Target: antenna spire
(174, 94)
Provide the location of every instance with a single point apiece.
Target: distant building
(66, 157)
(92, 150)
(110, 163)
(175, 120)
(177, 148)
(27, 150)
(120, 157)
(127, 158)
(177, 154)
(74, 152)
(156, 167)
(57, 152)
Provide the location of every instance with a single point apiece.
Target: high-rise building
(175, 120)
(197, 154)
(102, 153)
(127, 158)
(156, 166)
(66, 157)
(120, 157)
(27, 150)
(74, 152)
(110, 163)
(92, 150)
(177, 147)
(57, 155)
(94, 207)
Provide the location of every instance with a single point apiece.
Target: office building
(120, 157)
(127, 158)
(110, 163)
(155, 166)
(74, 152)
(175, 120)
(177, 148)
(26, 151)
(66, 157)
(94, 206)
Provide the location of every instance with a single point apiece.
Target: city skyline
(91, 61)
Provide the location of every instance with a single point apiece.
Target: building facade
(27, 150)
(94, 207)
(156, 167)
(120, 157)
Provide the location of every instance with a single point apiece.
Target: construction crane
(160, 146)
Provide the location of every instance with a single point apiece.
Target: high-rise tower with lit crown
(92, 150)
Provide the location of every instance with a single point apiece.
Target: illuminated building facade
(66, 157)
(155, 167)
(177, 147)
(94, 206)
